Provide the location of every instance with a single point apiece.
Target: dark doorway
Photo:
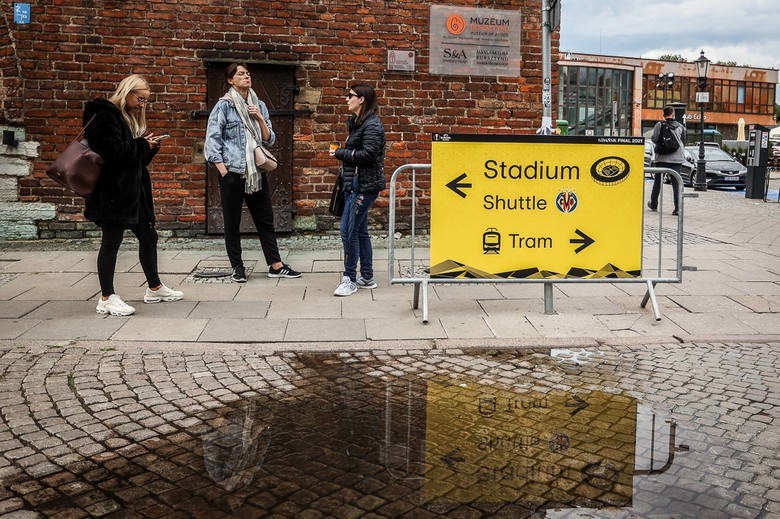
(274, 85)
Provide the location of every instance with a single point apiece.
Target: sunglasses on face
(351, 95)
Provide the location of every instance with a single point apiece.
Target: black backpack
(667, 140)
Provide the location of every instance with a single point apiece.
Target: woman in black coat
(363, 173)
(116, 130)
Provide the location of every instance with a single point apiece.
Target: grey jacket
(678, 156)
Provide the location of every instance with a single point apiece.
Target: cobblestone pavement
(661, 431)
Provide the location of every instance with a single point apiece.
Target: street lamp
(665, 81)
(702, 66)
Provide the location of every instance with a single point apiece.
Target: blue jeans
(354, 235)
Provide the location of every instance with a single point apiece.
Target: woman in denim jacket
(362, 157)
(236, 123)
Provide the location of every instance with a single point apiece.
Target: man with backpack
(668, 137)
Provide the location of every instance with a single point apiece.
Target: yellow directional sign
(536, 206)
(485, 444)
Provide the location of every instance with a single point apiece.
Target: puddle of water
(539, 434)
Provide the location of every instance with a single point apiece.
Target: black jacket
(124, 187)
(364, 151)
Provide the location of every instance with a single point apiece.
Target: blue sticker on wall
(21, 13)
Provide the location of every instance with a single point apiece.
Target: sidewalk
(730, 292)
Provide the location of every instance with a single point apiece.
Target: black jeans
(231, 188)
(109, 247)
(657, 183)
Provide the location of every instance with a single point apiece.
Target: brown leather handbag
(78, 167)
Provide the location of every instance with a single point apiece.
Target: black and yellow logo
(610, 170)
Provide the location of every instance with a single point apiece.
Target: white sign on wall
(474, 41)
(400, 60)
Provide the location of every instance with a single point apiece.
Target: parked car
(649, 153)
(722, 169)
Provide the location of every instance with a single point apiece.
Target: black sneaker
(285, 271)
(238, 275)
(652, 207)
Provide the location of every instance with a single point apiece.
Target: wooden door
(274, 85)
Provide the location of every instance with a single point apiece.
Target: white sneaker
(347, 287)
(162, 294)
(365, 283)
(114, 306)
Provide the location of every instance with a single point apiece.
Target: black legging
(109, 247)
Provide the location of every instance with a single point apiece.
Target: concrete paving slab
(311, 310)
(315, 330)
(244, 330)
(494, 307)
(27, 261)
(706, 304)
(765, 324)
(465, 326)
(160, 329)
(710, 324)
(587, 289)
(412, 327)
(56, 286)
(511, 325)
(708, 283)
(96, 327)
(466, 291)
(63, 310)
(169, 310)
(568, 325)
(524, 290)
(17, 309)
(760, 304)
(592, 304)
(762, 288)
(13, 286)
(209, 291)
(641, 325)
(267, 292)
(14, 328)
(230, 309)
(359, 308)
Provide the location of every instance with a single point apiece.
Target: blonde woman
(116, 130)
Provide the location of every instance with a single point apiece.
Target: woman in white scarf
(237, 124)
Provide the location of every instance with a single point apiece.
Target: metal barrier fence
(417, 272)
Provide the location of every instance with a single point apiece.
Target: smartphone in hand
(158, 138)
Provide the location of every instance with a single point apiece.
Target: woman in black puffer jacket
(363, 174)
(116, 130)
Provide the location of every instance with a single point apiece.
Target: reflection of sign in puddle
(484, 444)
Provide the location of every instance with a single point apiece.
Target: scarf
(253, 138)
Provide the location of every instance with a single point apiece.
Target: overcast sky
(745, 31)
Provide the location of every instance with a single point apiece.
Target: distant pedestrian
(363, 175)
(665, 158)
(238, 122)
(116, 130)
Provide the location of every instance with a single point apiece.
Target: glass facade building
(614, 95)
(596, 100)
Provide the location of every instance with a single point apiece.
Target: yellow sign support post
(536, 207)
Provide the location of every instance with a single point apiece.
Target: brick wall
(74, 50)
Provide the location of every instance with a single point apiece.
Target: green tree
(728, 63)
(673, 57)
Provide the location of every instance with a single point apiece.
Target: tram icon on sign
(491, 241)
